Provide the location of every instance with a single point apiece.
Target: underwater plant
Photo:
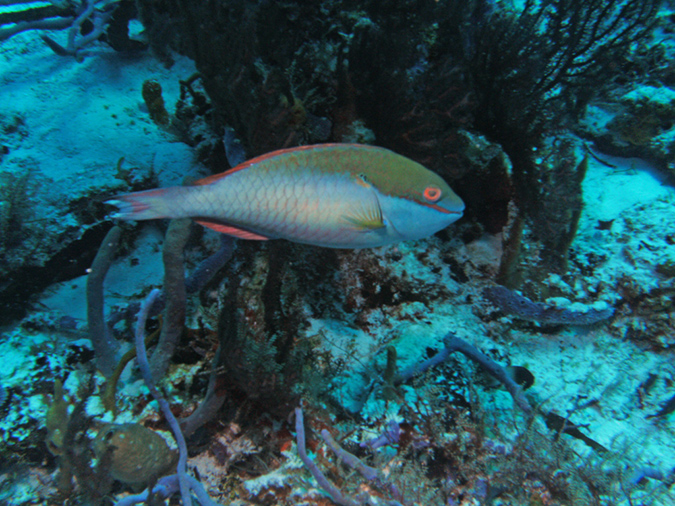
(529, 68)
(528, 62)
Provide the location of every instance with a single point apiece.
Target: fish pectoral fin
(233, 231)
(367, 218)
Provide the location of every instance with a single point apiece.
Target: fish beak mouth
(453, 207)
(446, 211)
(442, 209)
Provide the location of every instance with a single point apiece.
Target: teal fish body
(331, 195)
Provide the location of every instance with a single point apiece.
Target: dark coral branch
(199, 278)
(108, 396)
(31, 17)
(208, 268)
(215, 395)
(580, 32)
(144, 366)
(213, 400)
(335, 494)
(72, 16)
(369, 473)
(174, 287)
(558, 45)
(180, 481)
(165, 488)
(453, 344)
(105, 346)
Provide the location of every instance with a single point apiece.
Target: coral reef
(398, 362)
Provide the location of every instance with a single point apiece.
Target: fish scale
(333, 195)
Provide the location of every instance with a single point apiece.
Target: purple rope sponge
(521, 307)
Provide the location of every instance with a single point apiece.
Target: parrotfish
(331, 195)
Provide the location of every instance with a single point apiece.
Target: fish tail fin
(147, 205)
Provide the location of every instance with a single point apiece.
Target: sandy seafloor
(80, 118)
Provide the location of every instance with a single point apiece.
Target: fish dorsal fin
(216, 177)
(233, 231)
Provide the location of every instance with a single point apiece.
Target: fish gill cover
(452, 369)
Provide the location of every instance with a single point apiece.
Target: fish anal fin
(233, 231)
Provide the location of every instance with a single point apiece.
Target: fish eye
(432, 193)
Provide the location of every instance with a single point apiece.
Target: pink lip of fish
(331, 195)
